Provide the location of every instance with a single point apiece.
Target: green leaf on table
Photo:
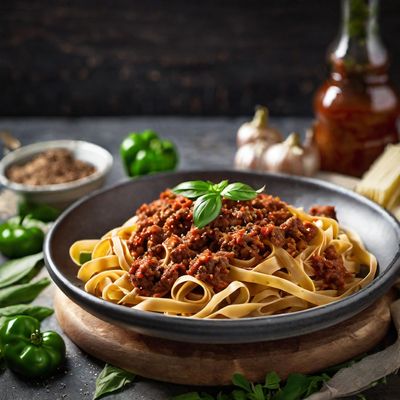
(240, 192)
(239, 395)
(24, 293)
(272, 381)
(190, 396)
(315, 382)
(192, 189)
(240, 381)
(258, 393)
(14, 271)
(295, 388)
(206, 209)
(37, 312)
(41, 212)
(111, 379)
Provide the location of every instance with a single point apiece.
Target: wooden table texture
(203, 143)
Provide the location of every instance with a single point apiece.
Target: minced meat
(167, 245)
(329, 268)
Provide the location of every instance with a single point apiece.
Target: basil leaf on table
(193, 396)
(240, 192)
(37, 312)
(111, 379)
(14, 271)
(206, 209)
(192, 189)
(272, 381)
(295, 389)
(24, 293)
(240, 381)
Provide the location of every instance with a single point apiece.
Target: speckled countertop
(202, 143)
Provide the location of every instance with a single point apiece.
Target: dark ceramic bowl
(95, 215)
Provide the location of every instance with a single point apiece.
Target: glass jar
(357, 107)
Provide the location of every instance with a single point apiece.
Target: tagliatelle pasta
(292, 275)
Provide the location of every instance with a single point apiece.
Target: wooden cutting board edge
(214, 364)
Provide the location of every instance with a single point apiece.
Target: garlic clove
(249, 156)
(290, 157)
(258, 129)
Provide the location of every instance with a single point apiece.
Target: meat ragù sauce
(167, 245)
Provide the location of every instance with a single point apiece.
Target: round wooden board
(214, 364)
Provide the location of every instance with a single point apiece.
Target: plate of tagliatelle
(224, 256)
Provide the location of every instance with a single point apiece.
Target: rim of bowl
(39, 147)
(123, 314)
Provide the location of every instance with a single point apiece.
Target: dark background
(188, 57)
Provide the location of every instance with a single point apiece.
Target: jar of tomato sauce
(357, 107)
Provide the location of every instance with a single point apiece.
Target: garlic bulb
(290, 157)
(258, 129)
(249, 156)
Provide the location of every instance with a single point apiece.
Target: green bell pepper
(28, 351)
(20, 237)
(144, 153)
(41, 212)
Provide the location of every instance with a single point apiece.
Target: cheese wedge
(381, 183)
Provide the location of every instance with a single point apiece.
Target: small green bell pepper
(144, 153)
(20, 237)
(41, 212)
(28, 351)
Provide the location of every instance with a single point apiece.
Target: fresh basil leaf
(295, 388)
(206, 396)
(111, 379)
(206, 209)
(37, 312)
(272, 381)
(239, 395)
(24, 293)
(192, 189)
(258, 393)
(27, 278)
(314, 384)
(14, 270)
(84, 257)
(219, 187)
(188, 396)
(239, 192)
(240, 381)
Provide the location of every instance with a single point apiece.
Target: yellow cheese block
(381, 183)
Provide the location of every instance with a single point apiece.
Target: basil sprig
(22, 293)
(110, 380)
(14, 271)
(209, 197)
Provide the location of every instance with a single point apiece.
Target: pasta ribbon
(280, 283)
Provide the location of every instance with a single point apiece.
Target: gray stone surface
(203, 143)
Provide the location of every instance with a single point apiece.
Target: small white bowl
(59, 195)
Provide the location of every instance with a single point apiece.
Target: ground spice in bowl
(50, 167)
